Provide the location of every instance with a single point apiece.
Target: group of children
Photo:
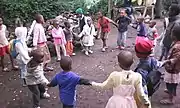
(130, 89)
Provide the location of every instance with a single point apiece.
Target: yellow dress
(125, 90)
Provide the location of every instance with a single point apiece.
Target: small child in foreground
(172, 74)
(67, 82)
(35, 78)
(125, 84)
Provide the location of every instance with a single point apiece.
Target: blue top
(67, 82)
(141, 29)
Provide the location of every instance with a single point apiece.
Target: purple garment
(141, 30)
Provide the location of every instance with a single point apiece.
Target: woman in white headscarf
(87, 35)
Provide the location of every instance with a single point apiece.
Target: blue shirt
(141, 29)
(67, 82)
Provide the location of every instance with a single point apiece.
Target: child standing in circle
(59, 39)
(4, 47)
(172, 75)
(87, 35)
(123, 22)
(125, 84)
(67, 82)
(69, 39)
(39, 40)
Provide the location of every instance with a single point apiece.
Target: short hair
(125, 58)
(66, 63)
(176, 32)
(37, 17)
(66, 23)
(153, 22)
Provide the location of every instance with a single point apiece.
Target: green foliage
(100, 6)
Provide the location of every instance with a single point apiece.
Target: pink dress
(58, 35)
(123, 97)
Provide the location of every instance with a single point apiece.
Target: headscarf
(79, 11)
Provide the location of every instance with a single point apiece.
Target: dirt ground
(97, 67)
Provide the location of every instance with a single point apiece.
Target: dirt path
(96, 67)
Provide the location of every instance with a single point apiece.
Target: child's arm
(106, 84)
(111, 21)
(53, 83)
(83, 81)
(140, 92)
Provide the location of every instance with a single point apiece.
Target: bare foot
(166, 102)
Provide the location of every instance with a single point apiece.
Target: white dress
(88, 34)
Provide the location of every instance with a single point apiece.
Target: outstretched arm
(83, 81)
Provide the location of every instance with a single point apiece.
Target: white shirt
(31, 29)
(3, 39)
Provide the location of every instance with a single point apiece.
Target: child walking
(59, 40)
(4, 47)
(67, 82)
(125, 84)
(21, 49)
(35, 78)
(39, 40)
(123, 22)
(87, 35)
(172, 74)
(69, 39)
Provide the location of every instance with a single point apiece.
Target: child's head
(174, 10)
(125, 59)
(39, 18)
(89, 21)
(38, 56)
(1, 21)
(66, 63)
(122, 13)
(143, 47)
(176, 33)
(67, 25)
(56, 23)
(152, 24)
(100, 15)
(140, 19)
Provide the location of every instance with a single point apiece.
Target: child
(125, 84)
(123, 22)
(152, 33)
(88, 34)
(104, 25)
(21, 49)
(39, 40)
(172, 75)
(59, 39)
(67, 82)
(147, 64)
(141, 28)
(4, 47)
(35, 78)
(69, 39)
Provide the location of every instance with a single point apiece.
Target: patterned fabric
(104, 24)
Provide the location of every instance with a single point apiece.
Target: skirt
(47, 56)
(69, 48)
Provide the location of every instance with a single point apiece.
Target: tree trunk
(158, 9)
(109, 7)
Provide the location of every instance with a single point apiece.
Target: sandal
(166, 102)
(5, 70)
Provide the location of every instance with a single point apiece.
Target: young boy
(67, 82)
(4, 47)
(123, 22)
(104, 25)
(35, 78)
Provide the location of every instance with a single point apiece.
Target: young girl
(69, 39)
(141, 28)
(39, 40)
(125, 84)
(35, 78)
(21, 49)
(172, 75)
(4, 47)
(88, 34)
(67, 82)
(59, 39)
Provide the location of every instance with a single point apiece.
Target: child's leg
(23, 70)
(43, 91)
(68, 106)
(58, 51)
(64, 50)
(35, 94)
(2, 63)
(123, 39)
(86, 50)
(90, 50)
(12, 62)
(119, 39)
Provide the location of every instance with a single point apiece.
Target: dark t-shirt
(123, 23)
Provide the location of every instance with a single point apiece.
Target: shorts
(4, 50)
(45, 50)
(104, 35)
(171, 87)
